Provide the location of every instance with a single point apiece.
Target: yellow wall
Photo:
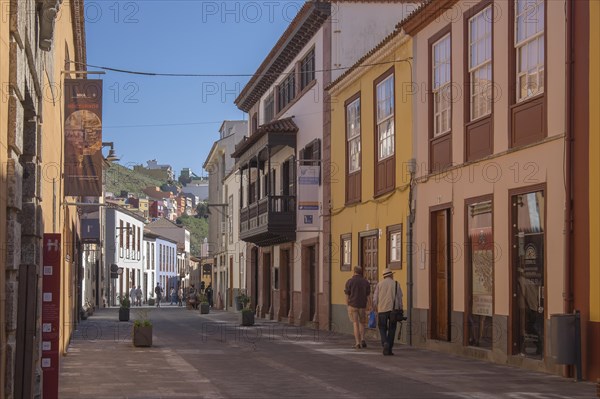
(52, 156)
(389, 209)
(594, 161)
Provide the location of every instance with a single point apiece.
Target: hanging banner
(83, 137)
(50, 314)
(308, 197)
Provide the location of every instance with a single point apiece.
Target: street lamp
(112, 156)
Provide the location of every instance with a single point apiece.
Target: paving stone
(211, 356)
(31, 250)
(12, 291)
(13, 240)
(31, 225)
(17, 69)
(15, 124)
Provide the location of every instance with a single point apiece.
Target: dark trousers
(387, 329)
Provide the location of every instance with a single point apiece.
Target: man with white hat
(387, 297)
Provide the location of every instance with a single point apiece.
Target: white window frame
(347, 251)
(532, 13)
(385, 118)
(396, 246)
(441, 76)
(481, 89)
(353, 135)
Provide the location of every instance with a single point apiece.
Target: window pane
(482, 274)
(353, 118)
(395, 247)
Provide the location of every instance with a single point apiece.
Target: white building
(232, 278)
(166, 265)
(284, 189)
(150, 259)
(181, 236)
(197, 187)
(219, 164)
(123, 236)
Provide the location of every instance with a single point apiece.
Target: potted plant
(204, 305)
(242, 300)
(142, 330)
(247, 317)
(151, 299)
(124, 308)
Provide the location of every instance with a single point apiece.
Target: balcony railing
(270, 220)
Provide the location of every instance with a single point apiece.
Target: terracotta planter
(204, 308)
(123, 314)
(142, 336)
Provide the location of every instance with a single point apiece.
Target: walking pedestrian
(193, 297)
(172, 295)
(358, 290)
(132, 295)
(158, 291)
(138, 296)
(180, 296)
(209, 295)
(387, 297)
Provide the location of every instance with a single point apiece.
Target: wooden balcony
(270, 221)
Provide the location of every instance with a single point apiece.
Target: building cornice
(78, 22)
(300, 31)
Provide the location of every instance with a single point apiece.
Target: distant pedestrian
(158, 291)
(180, 296)
(138, 296)
(209, 295)
(193, 297)
(358, 290)
(132, 295)
(387, 297)
(172, 295)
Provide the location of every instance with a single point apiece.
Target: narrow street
(212, 356)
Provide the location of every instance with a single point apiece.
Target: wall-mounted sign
(83, 137)
(308, 197)
(50, 314)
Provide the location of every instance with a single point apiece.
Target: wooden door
(369, 260)
(528, 274)
(312, 269)
(230, 296)
(267, 292)
(285, 282)
(440, 275)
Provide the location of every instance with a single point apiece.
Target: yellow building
(585, 133)
(35, 49)
(371, 180)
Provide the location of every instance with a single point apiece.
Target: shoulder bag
(396, 315)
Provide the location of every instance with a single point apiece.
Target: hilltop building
(156, 171)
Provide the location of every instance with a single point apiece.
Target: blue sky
(175, 120)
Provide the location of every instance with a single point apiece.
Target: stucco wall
(352, 40)
(371, 213)
(540, 164)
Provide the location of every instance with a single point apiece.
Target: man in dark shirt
(358, 291)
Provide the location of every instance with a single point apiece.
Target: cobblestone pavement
(211, 356)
